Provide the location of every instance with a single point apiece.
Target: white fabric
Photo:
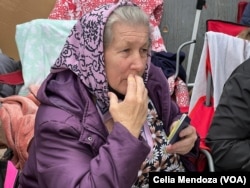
(226, 53)
(39, 43)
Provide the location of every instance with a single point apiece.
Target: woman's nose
(139, 62)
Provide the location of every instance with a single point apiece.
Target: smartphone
(183, 122)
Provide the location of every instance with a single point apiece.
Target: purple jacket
(71, 146)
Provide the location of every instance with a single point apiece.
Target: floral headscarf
(83, 53)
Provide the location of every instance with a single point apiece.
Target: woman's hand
(188, 137)
(132, 111)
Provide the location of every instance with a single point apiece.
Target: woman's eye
(144, 52)
(125, 50)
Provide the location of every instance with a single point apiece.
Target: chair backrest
(226, 27)
(12, 78)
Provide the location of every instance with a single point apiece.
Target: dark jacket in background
(229, 134)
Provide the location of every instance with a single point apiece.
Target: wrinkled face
(126, 54)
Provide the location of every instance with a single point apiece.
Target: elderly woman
(105, 110)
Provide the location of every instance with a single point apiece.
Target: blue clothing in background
(245, 19)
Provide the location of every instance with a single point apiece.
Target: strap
(11, 176)
(12, 78)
